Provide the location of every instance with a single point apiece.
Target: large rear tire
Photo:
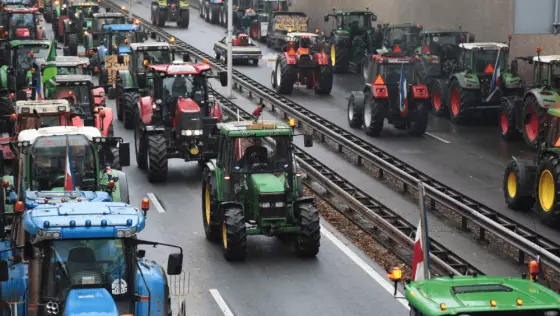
(130, 99)
(356, 109)
(285, 76)
(375, 111)
(184, 17)
(548, 193)
(419, 122)
(439, 107)
(533, 123)
(325, 79)
(307, 243)
(234, 234)
(458, 99)
(508, 127)
(514, 180)
(340, 58)
(209, 213)
(157, 158)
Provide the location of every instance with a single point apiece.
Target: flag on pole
(39, 86)
(403, 90)
(418, 256)
(49, 73)
(68, 177)
(496, 74)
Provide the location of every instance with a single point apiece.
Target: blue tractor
(113, 51)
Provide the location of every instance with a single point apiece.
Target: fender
(107, 120)
(466, 81)
(510, 81)
(125, 80)
(156, 284)
(124, 196)
(302, 200)
(378, 91)
(99, 100)
(77, 121)
(210, 168)
(145, 110)
(341, 38)
(545, 98)
(224, 205)
(420, 91)
(216, 112)
(527, 170)
(291, 59)
(321, 58)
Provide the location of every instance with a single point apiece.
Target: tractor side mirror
(153, 35)
(175, 264)
(141, 253)
(308, 140)
(120, 59)
(374, 17)
(223, 78)
(28, 251)
(4, 271)
(471, 37)
(186, 58)
(124, 154)
(326, 18)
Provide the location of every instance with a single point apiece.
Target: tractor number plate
(398, 61)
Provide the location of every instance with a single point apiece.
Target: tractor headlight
(265, 205)
(158, 101)
(189, 132)
(279, 204)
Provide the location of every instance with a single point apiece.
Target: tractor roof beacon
(178, 120)
(90, 240)
(258, 157)
(382, 98)
(353, 38)
(303, 61)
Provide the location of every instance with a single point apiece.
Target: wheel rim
(546, 190)
(207, 204)
(437, 101)
(351, 112)
(367, 114)
(512, 184)
(365, 70)
(224, 235)
(278, 74)
(532, 126)
(455, 101)
(504, 122)
(333, 55)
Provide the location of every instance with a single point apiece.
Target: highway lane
(340, 281)
(468, 158)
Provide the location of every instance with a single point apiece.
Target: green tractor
(93, 35)
(80, 16)
(254, 187)
(353, 39)
(170, 10)
(525, 115)
(435, 61)
(137, 81)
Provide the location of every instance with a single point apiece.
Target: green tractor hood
(268, 183)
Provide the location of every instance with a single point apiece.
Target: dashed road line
(438, 138)
(155, 202)
(221, 303)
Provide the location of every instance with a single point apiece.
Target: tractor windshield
(68, 70)
(22, 25)
(482, 59)
(119, 38)
(445, 38)
(354, 22)
(193, 87)
(270, 6)
(555, 76)
(391, 73)
(255, 155)
(48, 163)
(27, 122)
(77, 263)
(154, 57)
(406, 37)
(78, 96)
(25, 55)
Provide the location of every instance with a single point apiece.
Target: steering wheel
(78, 111)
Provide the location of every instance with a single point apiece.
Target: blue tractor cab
(82, 256)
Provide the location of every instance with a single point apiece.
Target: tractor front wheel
(114, 158)
(340, 58)
(285, 76)
(129, 101)
(533, 123)
(548, 193)
(439, 108)
(508, 126)
(157, 158)
(374, 115)
(209, 213)
(307, 243)
(356, 109)
(140, 143)
(234, 234)
(184, 16)
(73, 44)
(514, 179)
(323, 79)
(419, 122)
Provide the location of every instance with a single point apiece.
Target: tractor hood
(85, 302)
(269, 183)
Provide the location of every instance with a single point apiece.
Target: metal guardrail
(518, 236)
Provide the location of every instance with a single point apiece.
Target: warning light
(126, 41)
(111, 183)
(292, 122)
(145, 204)
(443, 307)
(206, 60)
(519, 302)
(316, 30)
(227, 177)
(489, 69)
(123, 8)
(13, 117)
(90, 52)
(5, 183)
(172, 40)
(70, 93)
(379, 80)
(538, 49)
(19, 207)
(32, 53)
(12, 95)
(194, 151)
(533, 267)
(96, 69)
(510, 36)
(397, 49)
(396, 274)
(137, 22)
(493, 303)
(145, 63)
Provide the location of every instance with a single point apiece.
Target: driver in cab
(256, 153)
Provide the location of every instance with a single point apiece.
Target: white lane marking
(221, 303)
(362, 264)
(156, 203)
(438, 138)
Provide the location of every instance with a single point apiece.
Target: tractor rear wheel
(340, 58)
(157, 158)
(533, 123)
(214, 15)
(458, 98)
(184, 17)
(130, 99)
(514, 179)
(209, 213)
(508, 126)
(123, 187)
(160, 18)
(307, 243)
(548, 193)
(439, 108)
(419, 122)
(115, 158)
(73, 44)
(324, 77)
(140, 143)
(356, 109)
(234, 234)
(375, 111)
(285, 76)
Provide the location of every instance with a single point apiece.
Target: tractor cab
(78, 90)
(22, 23)
(303, 45)
(352, 23)
(98, 21)
(44, 113)
(480, 58)
(145, 54)
(67, 65)
(407, 36)
(546, 72)
(117, 38)
(20, 56)
(388, 68)
(443, 43)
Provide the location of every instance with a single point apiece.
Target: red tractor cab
(241, 40)
(395, 94)
(22, 24)
(178, 119)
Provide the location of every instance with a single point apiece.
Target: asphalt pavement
(468, 158)
(272, 281)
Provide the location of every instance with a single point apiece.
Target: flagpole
(424, 229)
(66, 163)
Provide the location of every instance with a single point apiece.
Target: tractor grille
(273, 205)
(485, 82)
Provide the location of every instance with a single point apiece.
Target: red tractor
(22, 24)
(178, 119)
(303, 62)
(395, 95)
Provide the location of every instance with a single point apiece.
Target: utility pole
(424, 224)
(229, 49)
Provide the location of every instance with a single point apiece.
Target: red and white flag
(418, 256)
(68, 178)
